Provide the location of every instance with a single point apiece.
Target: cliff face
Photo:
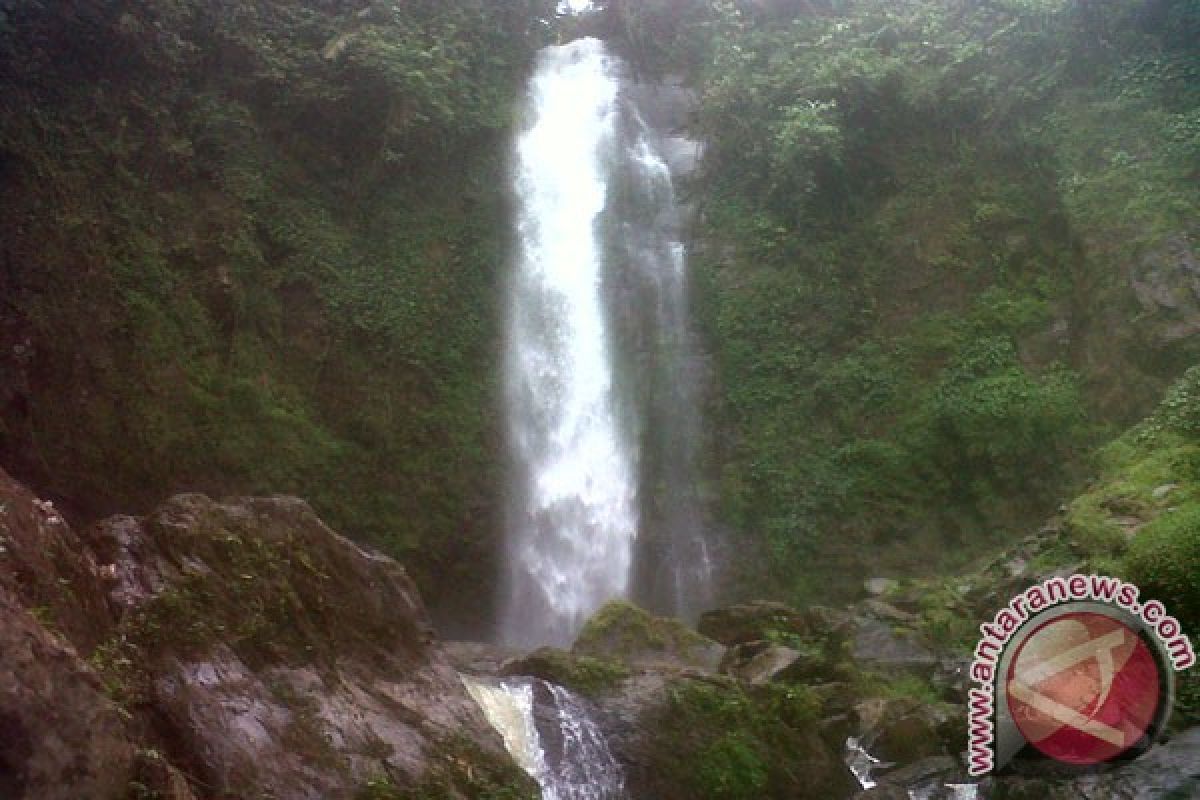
(223, 649)
(248, 247)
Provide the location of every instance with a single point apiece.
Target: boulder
(877, 587)
(290, 661)
(583, 674)
(757, 663)
(626, 633)
(241, 643)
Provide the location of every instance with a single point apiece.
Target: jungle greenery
(919, 224)
(257, 246)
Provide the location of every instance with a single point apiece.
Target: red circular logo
(1083, 688)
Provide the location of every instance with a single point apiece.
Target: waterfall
(550, 735)
(599, 382)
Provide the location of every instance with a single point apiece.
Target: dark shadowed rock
(683, 736)
(61, 738)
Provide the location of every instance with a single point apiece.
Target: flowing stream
(600, 398)
(551, 736)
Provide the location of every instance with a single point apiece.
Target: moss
(623, 631)
(242, 288)
(586, 675)
(1164, 561)
(716, 740)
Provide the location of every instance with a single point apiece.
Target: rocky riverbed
(241, 648)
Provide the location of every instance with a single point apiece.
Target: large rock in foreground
(243, 642)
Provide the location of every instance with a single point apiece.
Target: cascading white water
(572, 516)
(551, 736)
(601, 366)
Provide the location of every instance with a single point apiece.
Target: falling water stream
(600, 377)
(600, 400)
(572, 515)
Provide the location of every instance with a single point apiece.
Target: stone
(877, 587)
(877, 645)
(920, 772)
(757, 663)
(621, 631)
(1159, 492)
(883, 791)
(266, 654)
(583, 674)
(61, 738)
(887, 612)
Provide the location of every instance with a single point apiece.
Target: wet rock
(46, 567)
(920, 772)
(247, 645)
(478, 658)
(291, 661)
(1168, 770)
(682, 736)
(626, 633)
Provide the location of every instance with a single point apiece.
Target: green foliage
(625, 631)
(731, 769)
(720, 741)
(267, 261)
(915, 216)
(1141, 520)
(1163, 559)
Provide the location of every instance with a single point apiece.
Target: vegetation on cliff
(943, 250)
(255, 247)
(946, 251)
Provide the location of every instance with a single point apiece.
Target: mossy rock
(715, 739)
(1164, 560)
(584, 674)
(635, 637)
